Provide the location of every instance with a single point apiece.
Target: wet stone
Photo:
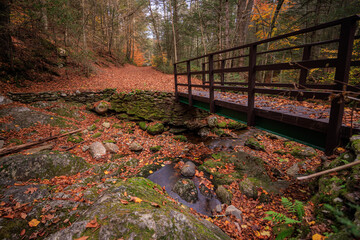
(186, 189)
(232, 210)
(188, 170)
(97, 150)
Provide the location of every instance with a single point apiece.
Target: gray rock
(293, 170)
(135, 147)
(186, 189)
(101, 108)
(106, 125)
(40, 165)
(248, 188)
(303, 152)
(204, 132)
(212, 121)
(111, 147)
(2, 143)
(97, 150)
(85, 148)
(218, 208)
(85, 131)
(18, 193)
(232, 210)
(223, 194)
(188, 170)
(4, 100)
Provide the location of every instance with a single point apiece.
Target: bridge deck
(300, 121)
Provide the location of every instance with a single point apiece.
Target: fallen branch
(6, 151)
(330, 170)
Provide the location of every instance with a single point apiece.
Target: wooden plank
(230, 70)
(294, 93)
(322, 63)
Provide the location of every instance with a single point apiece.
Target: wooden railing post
(251, 86)
(188, 69)
(203, 74)
(304, 71)
(176, 83)
(222, 76)
(211, 80)
(346, 41)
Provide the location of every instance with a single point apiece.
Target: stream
(167, 176)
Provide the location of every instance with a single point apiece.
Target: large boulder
(224, 195)
(137, 219)
(111, 147)
(101, 107)
(40, 165)
(212, 121)
(135, 147)
(186, 189)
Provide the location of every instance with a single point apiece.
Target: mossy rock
(186, 189)
(117, 126)
(355, 143)
(252, 143)
(222, 124)
(143, 126)
(75, 138)
(303, 152)
(236, 125)
(180, 138)
(139, 220)
(155, 129)
(218, 131)
(122, 116)
(224, 195)
(40, 165)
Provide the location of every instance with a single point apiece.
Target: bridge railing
(248, 55)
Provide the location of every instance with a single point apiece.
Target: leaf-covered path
(124, 78)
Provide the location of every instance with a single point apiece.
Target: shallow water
(168, 176)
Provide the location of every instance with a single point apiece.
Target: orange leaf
(22, 232)
(124, 202)
(30, 190)
(82, 238)
(92, 224)
(135, 199)
(155, 205)
(23, 215)
(34, 223)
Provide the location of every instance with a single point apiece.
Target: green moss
(16, 141)
(122, 116)
(59, 122)
(355, 145)
(109, 141)
(118, 156)
(180, 138)
(236, 125)
(218, 131)
(222, 124)
(143, 126)
(155, 129)
(281, 152)
(97, 120)
(75, 138)
(92, 127)
(117, 126)
(96, 135)
(254, 144)
(155, 148)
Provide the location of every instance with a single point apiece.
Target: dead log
(330, 170)
(15, 149)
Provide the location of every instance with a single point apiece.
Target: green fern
(280, 218)
(284, 234)
(296, 208)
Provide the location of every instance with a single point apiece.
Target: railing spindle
(188, 69)
(222, 76)
(211, 80)
(176, 83)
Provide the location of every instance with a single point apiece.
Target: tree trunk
(6, 47)
(159, 50)
(173, 24)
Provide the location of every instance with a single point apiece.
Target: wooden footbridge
(218, 93)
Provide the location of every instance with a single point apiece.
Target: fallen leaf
(124, 201)
(30, 190)
(92, 224)
(82, 238)
(23, 215)
(135, 200)
(318, 237)
(155, 205)
(34, 223)
(22, 232)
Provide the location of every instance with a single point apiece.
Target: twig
(6, 151)
(330, 170)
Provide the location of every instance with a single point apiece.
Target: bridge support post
(203, 74)
(211, 80)
(176, 83)
(347, 33)
(251, 86)
(188, 68)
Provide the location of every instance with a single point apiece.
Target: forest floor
(130, 78)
